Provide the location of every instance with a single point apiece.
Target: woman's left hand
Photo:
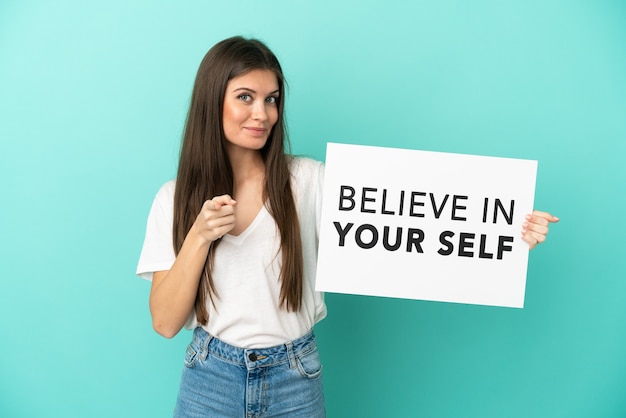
(535, 229)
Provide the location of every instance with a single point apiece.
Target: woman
(239, 268)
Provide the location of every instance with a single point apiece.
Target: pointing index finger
(217, 202)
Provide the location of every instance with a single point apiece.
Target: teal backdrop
(93, 97)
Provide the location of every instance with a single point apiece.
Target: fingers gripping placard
(425, 225)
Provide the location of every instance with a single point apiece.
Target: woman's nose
(259, 112)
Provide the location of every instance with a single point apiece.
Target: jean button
(252, 357)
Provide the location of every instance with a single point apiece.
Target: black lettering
(455, 206)
(384, 210)
(436, 210)
(359, 233)
(349, 197)
(416, 203)
(367, 199)
(463, 244)
(507, 216)
(396, 245)
(481, 252)
(449, 246)
(502, 247)
(342, 232)
(414, 237)
(485, 206)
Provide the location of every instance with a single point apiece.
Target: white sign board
(425, 225)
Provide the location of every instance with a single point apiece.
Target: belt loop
(291, 355)
(205, 345)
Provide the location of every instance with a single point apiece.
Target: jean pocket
(309, 364)
(191, 356)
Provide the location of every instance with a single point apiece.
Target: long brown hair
(204, 170)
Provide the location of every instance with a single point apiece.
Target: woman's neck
(248, 187)
(246, 165)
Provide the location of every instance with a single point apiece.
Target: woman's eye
(272, 99)
(245, 97)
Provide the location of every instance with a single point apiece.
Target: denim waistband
(253, 358)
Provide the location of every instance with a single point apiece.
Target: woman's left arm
(535, 229)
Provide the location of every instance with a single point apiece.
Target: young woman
(239, 268)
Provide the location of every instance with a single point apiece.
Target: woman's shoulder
(305, 167)
(166, 192)
(307, 178)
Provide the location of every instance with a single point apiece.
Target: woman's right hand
(173, 291)
(216, 218)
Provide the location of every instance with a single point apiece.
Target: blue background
(93, 97)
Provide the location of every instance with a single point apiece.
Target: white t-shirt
(247, 312)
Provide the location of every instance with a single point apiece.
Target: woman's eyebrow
(254, 91)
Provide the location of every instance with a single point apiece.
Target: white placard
(425, 225)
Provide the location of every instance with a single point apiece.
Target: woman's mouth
(256, 131)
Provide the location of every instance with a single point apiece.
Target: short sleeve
(157, 253)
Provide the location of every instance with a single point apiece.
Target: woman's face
(250, 109)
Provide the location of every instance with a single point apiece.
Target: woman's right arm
(173, 292)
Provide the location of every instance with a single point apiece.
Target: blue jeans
(220, 380)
